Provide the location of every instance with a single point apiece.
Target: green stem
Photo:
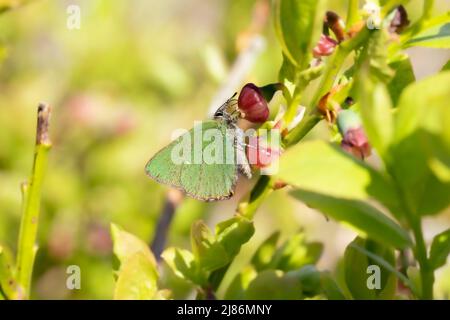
(259, 192)
(32, 193)
(352, 13)
(311, 116)
(426, 273)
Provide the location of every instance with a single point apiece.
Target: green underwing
(204, 167)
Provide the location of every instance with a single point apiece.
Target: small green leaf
(137, 279)
(262, 257)
(138, 274)
(377, 52)
(298, 26)
(310, 279)
(359, 277)
(288, 71)
(404, 75)
(436, 36)
(376, 112)
(274, 285)
(330, 288)
(237, 288)
(210, 254)
(321, 167)
(233, 233)
(126, 245)
(184, 266)
(296, 253)
(365, 219)
(440, 249)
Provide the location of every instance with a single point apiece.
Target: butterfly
(204, 168)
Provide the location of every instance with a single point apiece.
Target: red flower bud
(260, 154)
(355, 142)
(253, 104)
(354, 139)
(399, 21)
(336, 24)
(324, 47)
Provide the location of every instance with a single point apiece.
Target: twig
(27, 247)
(173, 199)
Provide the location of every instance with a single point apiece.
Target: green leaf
(440, 249)
(127, 245)
(365, 219)
(237, 288)
(377, 52)
(421, 145)
(288, 71)
(330, 288)
(388, 266)
(233, 233)
(376, 112)
(184, 266)
(324, 168)
(137, 279)
(404, 75)
(358, 276)
(296, 253)
(263, 255)
(138, 274)
(274, 285)
(310, 279)
(298, 25)
(210, 254)
(436, 36)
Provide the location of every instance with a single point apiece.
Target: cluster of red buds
(354, 140)
(253, 103)
(326, 44)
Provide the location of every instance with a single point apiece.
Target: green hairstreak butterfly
(204, 162)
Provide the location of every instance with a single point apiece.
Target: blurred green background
(134, 72)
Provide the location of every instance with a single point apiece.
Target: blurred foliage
(114, 85)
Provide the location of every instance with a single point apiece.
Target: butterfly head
(229, 111)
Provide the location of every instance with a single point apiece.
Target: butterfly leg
(241, 157)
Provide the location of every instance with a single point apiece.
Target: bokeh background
(135, 71)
